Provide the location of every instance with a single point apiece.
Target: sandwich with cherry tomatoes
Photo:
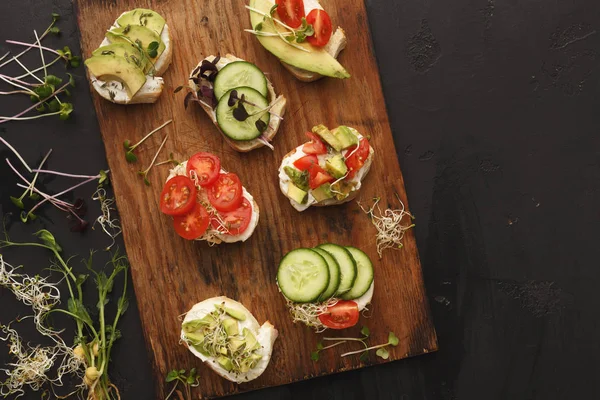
(207, 202)
(300, 34)
(328, 169)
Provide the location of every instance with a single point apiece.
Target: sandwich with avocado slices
(327, 170)
(135, 52)
(300, 34)
(228, 339)
(326, 287)
(239, 99)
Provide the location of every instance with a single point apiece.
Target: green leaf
(364, 356)
(190, 380)
(393, 339)
(272, 10)
(127, 144)
(71, 80)
(124, 306)
(48, 239)
(365, 331)
(172, 375)
(181, 372)
(41, 108)
(146, 181)
(75, 61)
(193, 372)
(25, 216)
(258, 27)
(17, 202)
(314, 356)
(55, 17)
(34, 196)
(65, 111)
(53, 105)
(319, 346)
(383, 353)
(103, 177)
(178, 89)
(130, 157)
(81, 278)
(54, 30)
(53, 80)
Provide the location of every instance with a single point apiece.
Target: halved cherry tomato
(291, 12)
(318, 176)
(305, 162)
(315, 146)
(193, 224)
(236, 221)
(343, 314)
(356, 161)
(178, 196)
(226, 193)
(206, 166)
(321, 23)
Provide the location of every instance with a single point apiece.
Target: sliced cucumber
(334, 274)
(242, 130)
(237, 74)
(303, 275)
(346, 263)
(364, 275)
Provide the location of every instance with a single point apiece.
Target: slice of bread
(278, 109)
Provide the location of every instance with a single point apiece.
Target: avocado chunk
(115, 68)
(195, 339)
(327, 136)
(323, 192)
(125, 50)
(136, 34)
(315, 60)
(240, 316)
(143, 17)
(297, 194)
(231, 326)
(236, 344)
(200, 349)
(250, 338)
(225, 363)
(298, 178)
(345, 136)
(336, 166)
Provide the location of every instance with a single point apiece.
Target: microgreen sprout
(289, 35)
(129, 148)
(390, 228)
(171, 161)
(188, 381)
(315, 354)
(308, 313)
(382, 350)
(152, 49)
(109, 225)
(144, 173)
(241, 114)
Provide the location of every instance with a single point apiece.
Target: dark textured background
(494, 107)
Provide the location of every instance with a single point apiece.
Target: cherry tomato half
(343, 314)
(236, 221)
(226, 193)
(315, 146)
(305, 162)
(178, 196)
(192, 225)
(318, 176)
(206, 166)
(291, 12)
(356, 161)
(321, 23)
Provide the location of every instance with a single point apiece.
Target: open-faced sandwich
(239, 99)
(207, 202)
(299, 33)
(328, 170)
(327, 286)
(135, 52)
(226, 337)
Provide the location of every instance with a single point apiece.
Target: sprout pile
(308, 313)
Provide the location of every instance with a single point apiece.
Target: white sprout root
(308, 313)
(390, 228)
(109, 225)
(31, 365)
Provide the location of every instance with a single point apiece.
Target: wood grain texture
(171, 274)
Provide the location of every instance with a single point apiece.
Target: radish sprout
(129, 148)
(109, 225)
(144, 173)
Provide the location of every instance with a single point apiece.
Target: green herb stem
(60, 90)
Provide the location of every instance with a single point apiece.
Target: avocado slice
(231, 326)
(195, 339)
(236, 344)
(115, 68)
(298, 178)
(297, 194)
(143, 17)
(135, 33)
(323, 192)
(250, 338)
(125, 50)
(225, 362)
(327, 136)
(336, 166)
(240, 316)
(345, 136)
(200, 349)
(315, 60)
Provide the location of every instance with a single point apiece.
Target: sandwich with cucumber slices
(300, 34)
(327, 170)
(135, 52)
(239, 99)
(326, 286)
(228, 339)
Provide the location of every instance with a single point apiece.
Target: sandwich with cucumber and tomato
(227, 338)
(327, 170)
(326, 286)
(300, 34)
(239, 99)
(207, 202)
(135, 52)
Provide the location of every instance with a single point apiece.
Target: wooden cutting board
(171, 274)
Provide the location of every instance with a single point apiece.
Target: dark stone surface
(494, 106)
